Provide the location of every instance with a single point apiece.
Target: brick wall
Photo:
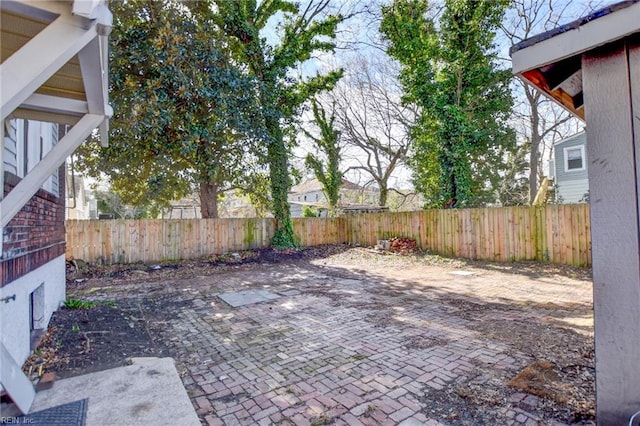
(35, 235)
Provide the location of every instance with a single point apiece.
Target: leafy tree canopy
(326, 166)
(185, 117)
(449, 69)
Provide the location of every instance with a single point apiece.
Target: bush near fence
(552, 233)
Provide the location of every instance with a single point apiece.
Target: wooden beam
(536, 79)
(27, 69)
(90, 59)
(56, 105)
(29, 185)
(610, 76)
(560, 72)
(14, 381)
(34, 115)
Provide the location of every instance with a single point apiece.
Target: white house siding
(572, 185)
(10, 156)
(14, 317)
(20, 158)
(309, 197)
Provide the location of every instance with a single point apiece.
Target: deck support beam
(611, 80)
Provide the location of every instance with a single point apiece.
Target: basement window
(36, 315)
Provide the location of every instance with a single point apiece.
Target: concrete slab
(461, 273)
(411, 422)
(289, 293)
(247, 297)
(349, 282)
(147, 392)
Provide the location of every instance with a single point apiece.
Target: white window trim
(32, 146)
(566, 158)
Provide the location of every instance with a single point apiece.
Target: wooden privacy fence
(553, 233)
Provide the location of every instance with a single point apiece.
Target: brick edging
(14, 268)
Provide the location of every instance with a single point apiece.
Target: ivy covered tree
(302, 33)
(186, 119)
(326, 166)
(450, 70)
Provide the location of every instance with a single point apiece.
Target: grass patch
(78, 304)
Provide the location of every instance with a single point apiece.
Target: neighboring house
(310, 193)
(187, 208)
(234, 205)
(53, 70)
(229, 206)
(568, 168)
(81, 204)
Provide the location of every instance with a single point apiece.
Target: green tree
(326, 167)
(449, 69)
(302, 33)
(185, 118)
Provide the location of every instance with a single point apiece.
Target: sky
(361, 32)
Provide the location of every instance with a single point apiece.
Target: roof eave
(552, 61)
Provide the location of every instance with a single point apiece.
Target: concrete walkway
(148, 392)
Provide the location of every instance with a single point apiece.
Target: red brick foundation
(36, 235)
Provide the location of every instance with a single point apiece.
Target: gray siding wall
(572, 191)
(574, 184)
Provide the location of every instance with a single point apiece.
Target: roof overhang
(552, 61)
(53, 68)
(54, 59)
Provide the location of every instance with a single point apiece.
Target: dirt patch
(539, 378)
(78, 271)
(98, 338)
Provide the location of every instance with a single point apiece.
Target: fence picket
(555, 233)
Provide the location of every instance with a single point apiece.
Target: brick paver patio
(343, 345)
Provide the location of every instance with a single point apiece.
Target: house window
(574, 158)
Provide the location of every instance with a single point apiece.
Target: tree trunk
(209, 200)
(536, 139)
(384, 194)
(280, 185)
